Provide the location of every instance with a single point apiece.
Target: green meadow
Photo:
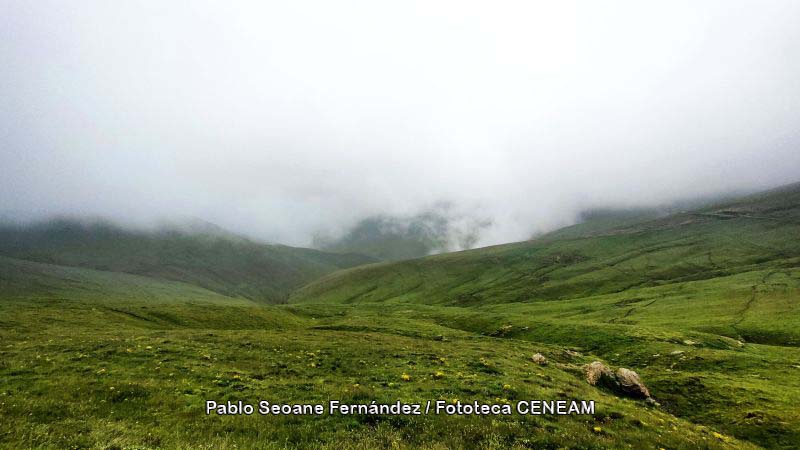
(110, 339)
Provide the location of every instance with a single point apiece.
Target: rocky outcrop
(624, 381)
(630, 383)
(599, 374)
(539, 359)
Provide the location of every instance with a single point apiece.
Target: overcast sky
(280, 119)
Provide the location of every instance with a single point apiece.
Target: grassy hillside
(35, 296)
(598, 221)
(755, 233)
(210, 258)
(106, 360)
(702, 304)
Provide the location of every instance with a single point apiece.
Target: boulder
(630, 383)
(539, 359)
(624, 381)
(599, 374)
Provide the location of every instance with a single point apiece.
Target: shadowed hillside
(204, 256)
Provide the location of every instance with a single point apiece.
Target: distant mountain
(393, 238)
(198, 253)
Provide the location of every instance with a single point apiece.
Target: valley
(103, 345)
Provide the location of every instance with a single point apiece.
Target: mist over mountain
(445, 228)
(440, 229)
(280, 123)
(194, 252)
(487, 211)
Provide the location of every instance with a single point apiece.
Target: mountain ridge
(651, 251)
(209, 257)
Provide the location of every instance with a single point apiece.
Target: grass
(703, 305)
(213, 259)
(113, 384)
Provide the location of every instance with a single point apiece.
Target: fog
(281, 120)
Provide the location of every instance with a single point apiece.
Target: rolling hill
(703, 303)
(113, 338)
(753, 233)
(203, 256)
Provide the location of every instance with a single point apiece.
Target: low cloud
(282, 120)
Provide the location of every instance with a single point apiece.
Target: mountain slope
(394, 238)
(703, 304)
(752, 233)
(36, 296)
(27, 280)
(218, 261)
